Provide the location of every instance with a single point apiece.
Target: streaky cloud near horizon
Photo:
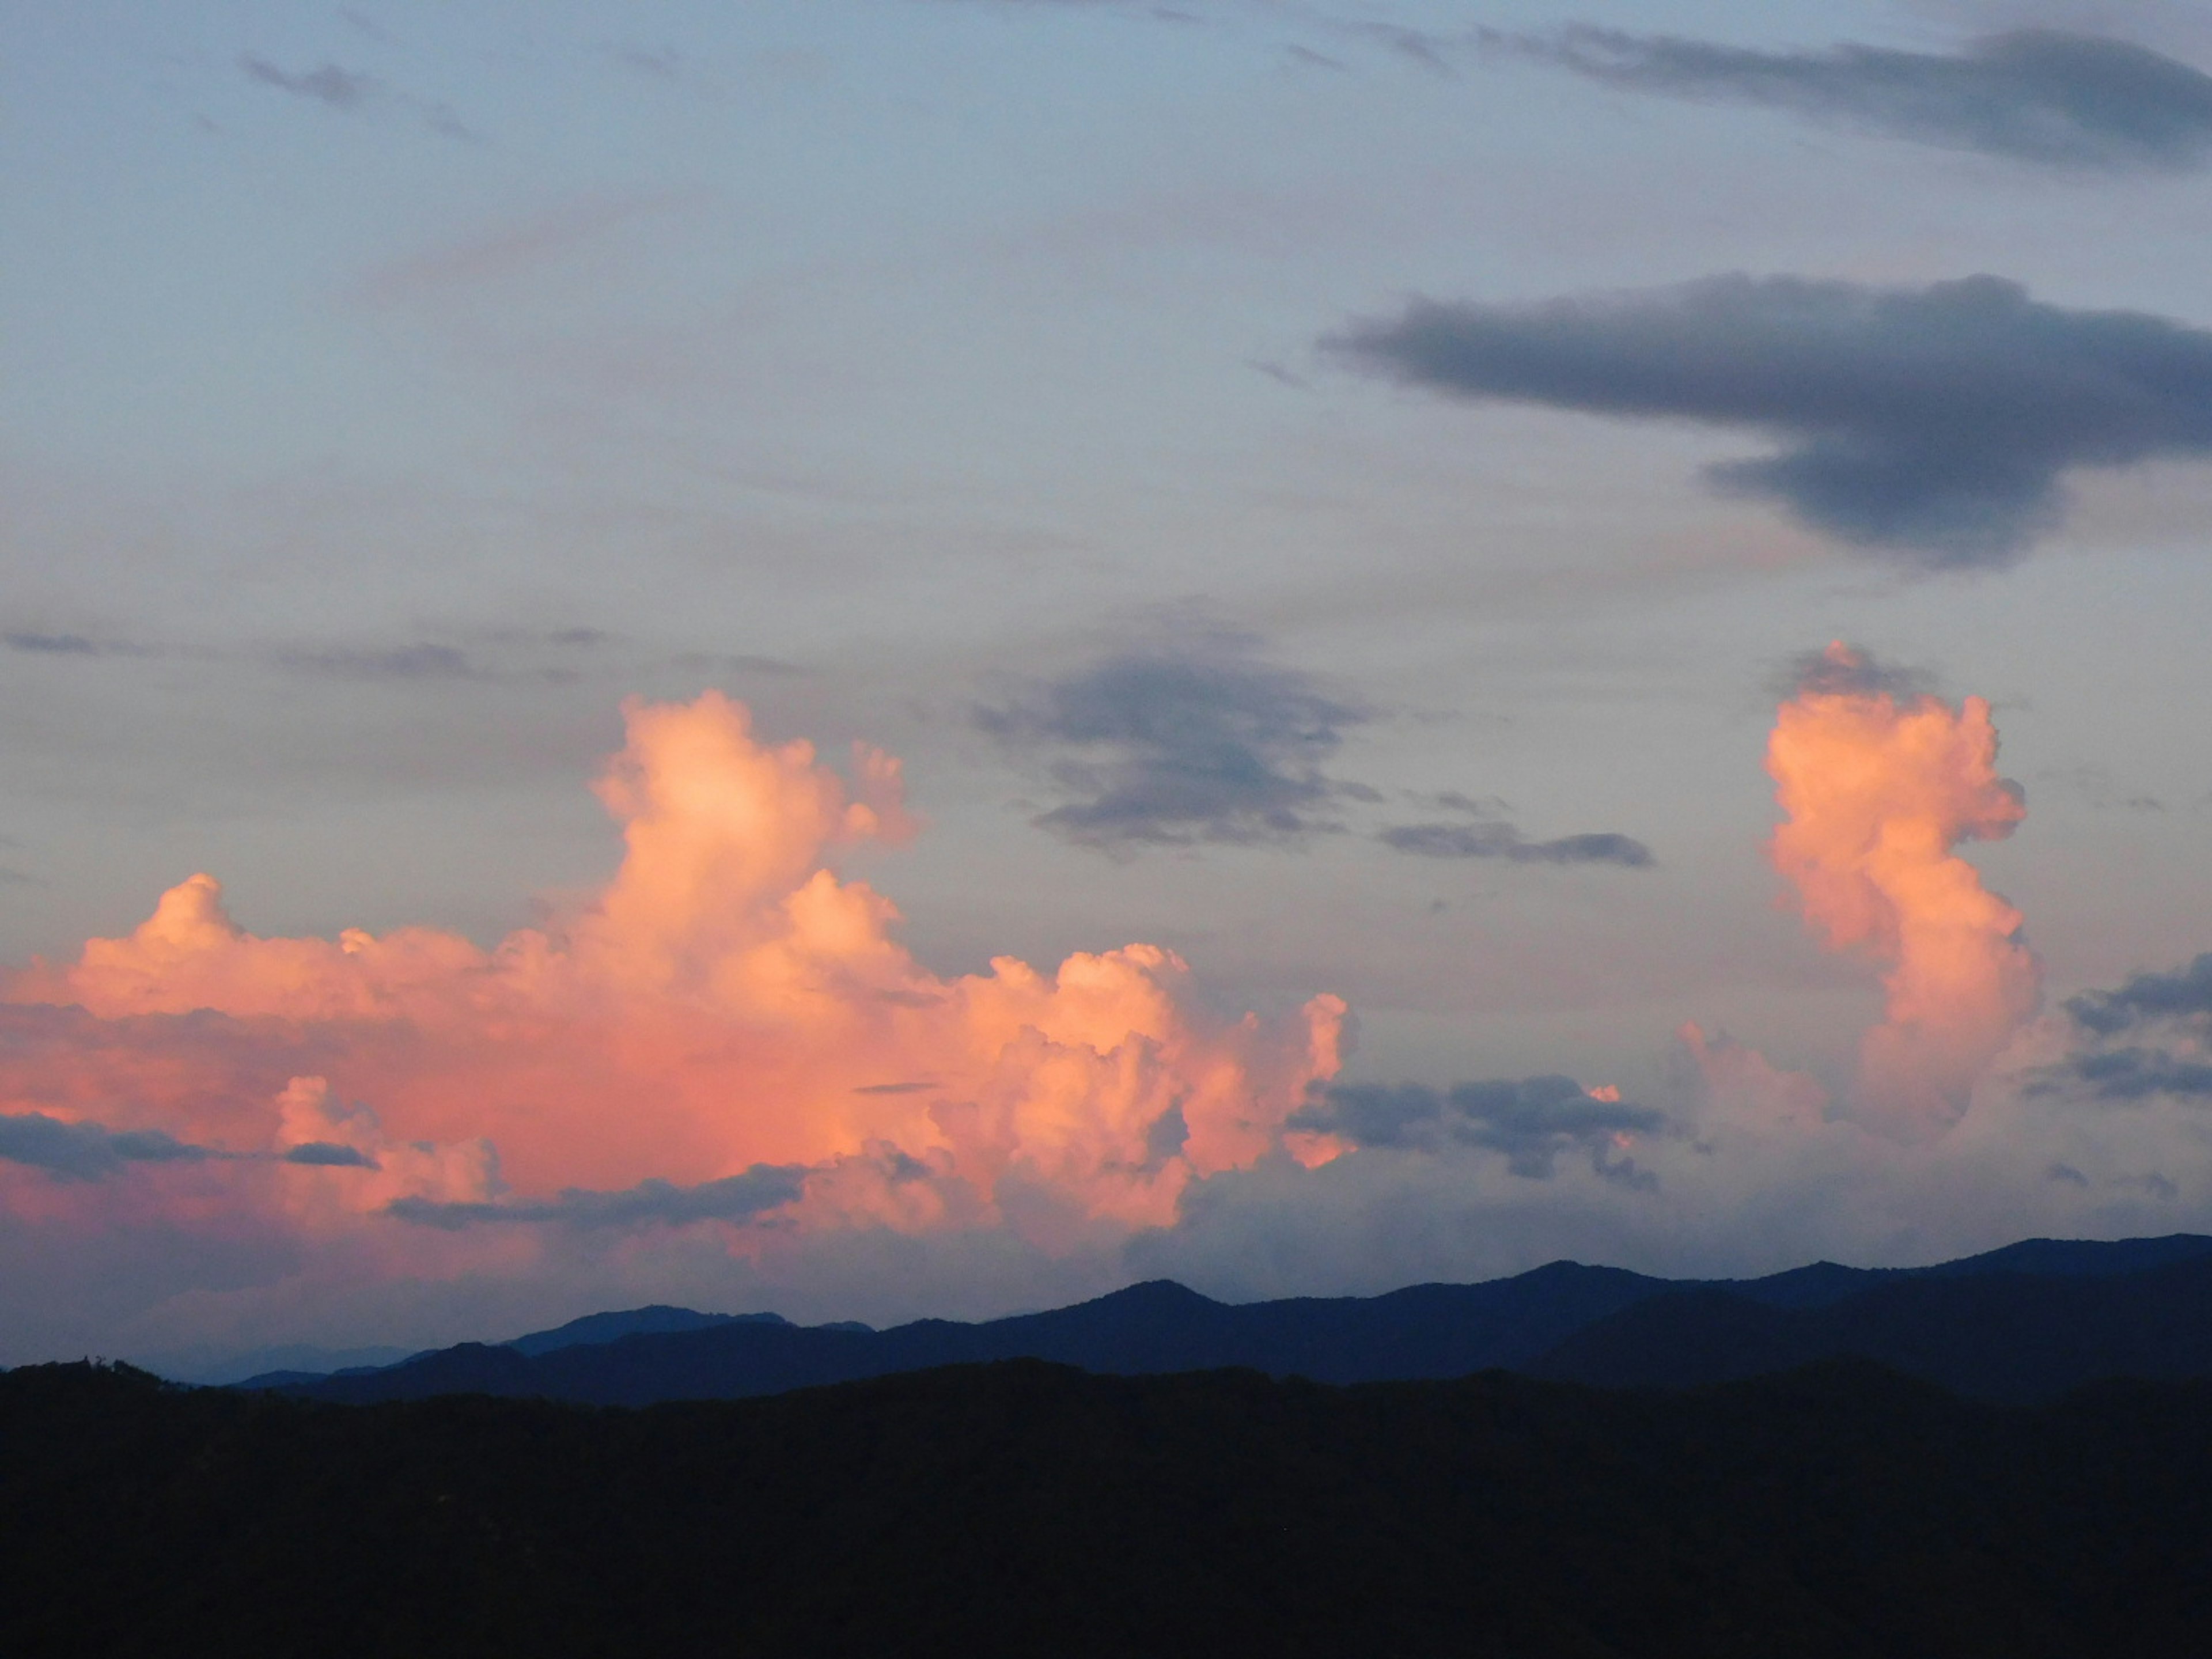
(1932, 426)
(2046, 97)
(1504, 842)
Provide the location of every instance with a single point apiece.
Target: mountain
(598, 1328)
(1841, 1512)
(1428, 1330)
(2008, 1336)
(2023, 1322)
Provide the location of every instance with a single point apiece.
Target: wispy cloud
(1933, 424)
(734, 1198)
(347, 90)
(1504, 842)
(2037, 95)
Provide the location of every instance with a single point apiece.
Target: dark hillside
(1026, 1509)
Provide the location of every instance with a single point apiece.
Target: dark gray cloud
(1530, 1120)
(2037, 95)
(1844, 671)
(2180, 994)
(2154, 1011)
(331, 1155)
(1929, 423)
(1198, 741)
(1503, 842)
(87, 1152)
(655, 1202)
(2125, 1074)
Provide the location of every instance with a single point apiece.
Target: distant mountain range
(2020, 1324)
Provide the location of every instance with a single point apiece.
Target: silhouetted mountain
(1838, 1513)
(598, 1328)
(1428, 1330)
(1980, 1324)
(1995, 1335)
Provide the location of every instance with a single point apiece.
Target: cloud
(726, 1006)
(340, 89)
(2038, 95)
(2132, 1074)
(1503, 842)
(2182, 993)
(2173, 1009)
(347, 90)
(1837, 670)
(406, 662)
(1530, 1120)
(1931, 424)
(1194, 741)
(87, 1152)
(1875, 792)
(330, 1155)
(733, 1198)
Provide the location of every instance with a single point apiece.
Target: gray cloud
(54, 644)
(2037, 95)
(1530, 1120)
(1198, 742)
(734, 1198)
(1929, 423)
(331, 1155)
(340, 89)
(346, 90)
(2183, 992)
(1860, 674)
(406, 662)
(2176, 1006)
(2125, 1074)
(87, 1152)
(1503, 842)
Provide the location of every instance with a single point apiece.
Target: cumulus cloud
(2037, 95)
(1197, 739)
(1876, 793)
(722, 1013)
(1932, 424)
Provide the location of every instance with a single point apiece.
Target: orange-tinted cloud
(727, 1001)
(1878, 784)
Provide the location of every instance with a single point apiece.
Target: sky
(875, 658)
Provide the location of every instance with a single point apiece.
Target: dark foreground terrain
(1022, 1508)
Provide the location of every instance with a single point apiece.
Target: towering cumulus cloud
(1878, 783)
(728, 1031)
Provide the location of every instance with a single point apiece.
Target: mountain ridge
(2132, 1305)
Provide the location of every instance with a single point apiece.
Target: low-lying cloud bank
(722, 1081)
(1934, 425)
